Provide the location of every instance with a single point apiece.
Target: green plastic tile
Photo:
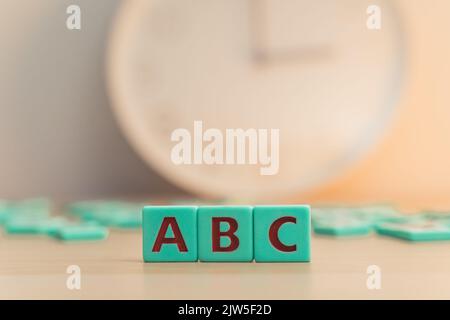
(441, 217)
(82, 233)
(169, 233)
(225, 233)
(36, 207)
(52, 226)
(91, 207)
(282, 233)
(126, 221)
(348, 221)
(342, 227)
(81, 207)
(127, 216)
(117, 214)
(22, 225)
(436, 215)
(418, 231)
(103, 216)
(378, 214)
(321, 212)
(4, 212)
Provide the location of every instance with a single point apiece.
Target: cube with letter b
(169, 233)
(282, 233)
(225, 233)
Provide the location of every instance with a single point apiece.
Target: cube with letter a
(282, 233)
(225, 233)
(169, 233)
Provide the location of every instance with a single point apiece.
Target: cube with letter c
(282, 233)
(169, 233)
(225, 233)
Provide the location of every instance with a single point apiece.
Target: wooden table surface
(35, 268)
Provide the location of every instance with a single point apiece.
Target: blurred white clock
(309, 68)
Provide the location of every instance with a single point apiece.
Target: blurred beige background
(411, 165)
(58, 136)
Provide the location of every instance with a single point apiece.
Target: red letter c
(273, 234)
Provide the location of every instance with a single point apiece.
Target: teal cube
(282, 233)
(169, 233)
(225, 233)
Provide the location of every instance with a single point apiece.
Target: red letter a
(177, 239)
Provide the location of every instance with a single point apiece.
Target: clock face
(311, 69)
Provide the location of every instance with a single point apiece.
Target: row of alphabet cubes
(226, 233)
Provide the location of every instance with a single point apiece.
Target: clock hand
(261, 51)
(264, 56)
